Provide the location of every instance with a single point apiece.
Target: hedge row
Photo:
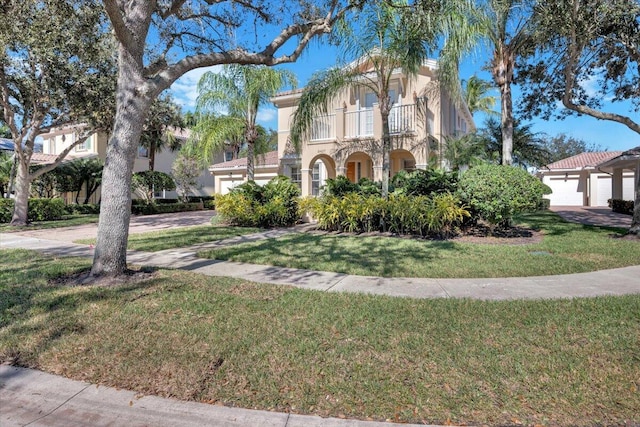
(39, 210)
(621, 206)
(151, 209)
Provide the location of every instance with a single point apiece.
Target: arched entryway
(321, 167)
(358, 165)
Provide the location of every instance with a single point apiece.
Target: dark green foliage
(274, 205)
(339, 186)
(496, 192)
(146, 182)
(6, 210)
(88, 208)
(154, 208)
(621, 206)
(425, 182)
(39, 209)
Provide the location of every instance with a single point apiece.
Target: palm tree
(528, 146)
(84, 172)
(240, 90)
(476, 95)
(506, 26)
(164, 115)
(385, 40)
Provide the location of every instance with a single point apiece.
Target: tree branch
(120, 28)
(41, 171)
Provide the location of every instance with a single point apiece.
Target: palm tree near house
(506, 25)
(82, 173)
(238, 90)
(475, 92)
(164, 116)
(381, 40)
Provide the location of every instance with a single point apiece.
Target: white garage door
(227, 185)
(566, 191)
(628, 189)
(604, 190)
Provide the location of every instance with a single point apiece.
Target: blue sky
(609, 135)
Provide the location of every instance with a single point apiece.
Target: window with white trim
(296, 176)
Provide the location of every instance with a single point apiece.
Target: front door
(351, 171)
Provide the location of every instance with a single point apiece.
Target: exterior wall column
(339, 123)
(593, 188)
(616, 182)
(341, 170)
(377, 173)
(305, 184)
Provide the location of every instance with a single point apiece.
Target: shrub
(152, 208)
(46, 209)
(496, 193)
(88, 209)
(6, 210)
(274, 205)
(425, 182)
(339, 186)
(621, 206)
(402, 214)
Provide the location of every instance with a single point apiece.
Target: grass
(180, 237)
(227, 341)
(67, 221)
(566, 248)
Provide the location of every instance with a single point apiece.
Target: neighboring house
(580, 180)
(6, 145)
(346, 141)
(232, 173)
(96, 146)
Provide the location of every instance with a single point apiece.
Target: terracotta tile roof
(288, 92)
(262, 161)
(583, 160)
(43, 159)
(632, 152)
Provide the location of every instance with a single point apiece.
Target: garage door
(227, 185)
(628, 189)
(604, 190)
(566, 191)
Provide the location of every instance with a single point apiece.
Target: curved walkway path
(29, 397)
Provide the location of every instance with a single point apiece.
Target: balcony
(363, 123)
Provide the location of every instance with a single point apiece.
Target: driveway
(138, 224)
(593, 215)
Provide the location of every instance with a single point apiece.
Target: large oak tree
(588, 52)
(56, 70)
(158, 42)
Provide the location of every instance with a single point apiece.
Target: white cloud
(267, 116)
(185, 89)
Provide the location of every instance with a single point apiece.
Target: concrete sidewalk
(617, 281)
(34, 398)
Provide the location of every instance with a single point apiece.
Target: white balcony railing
(323, 128)
(402, 119)
(359, 123)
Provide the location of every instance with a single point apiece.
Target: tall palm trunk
(153, 146)
(132, 106)
(386, 151)
(502, 70)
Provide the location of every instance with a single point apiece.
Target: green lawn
(565, 248)
(180, 237)
(67, 221)
(227, 341)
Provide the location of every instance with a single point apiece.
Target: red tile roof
(43, 159)
(269, 159)
(583, 160)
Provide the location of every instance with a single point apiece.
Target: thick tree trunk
(21, 201)
(250, 161)
(132, 106)
(506, 123)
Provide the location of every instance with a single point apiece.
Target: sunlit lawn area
(565, 248)
(67, 221)
(180, 237)
(562, 362)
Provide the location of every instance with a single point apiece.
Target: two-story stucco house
(57, 140)
(344, 141)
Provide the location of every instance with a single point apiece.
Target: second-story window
(84, 145)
